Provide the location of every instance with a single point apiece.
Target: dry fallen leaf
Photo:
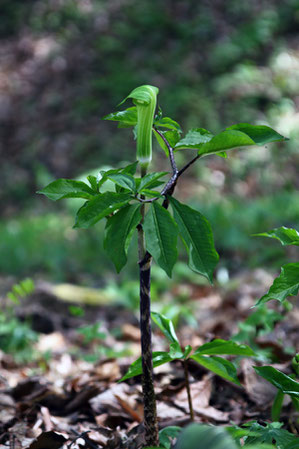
(258, 389)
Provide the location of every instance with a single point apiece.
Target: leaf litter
(62, 399)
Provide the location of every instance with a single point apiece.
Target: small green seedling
(287, 283)
(256, 435)
(205, 355)
(285, 385)
(142, 201)
(20, 290)
(259, 323)
(17, 337)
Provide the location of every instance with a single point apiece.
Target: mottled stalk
(149, 398)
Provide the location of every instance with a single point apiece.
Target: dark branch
(169, 187)
(188, 165)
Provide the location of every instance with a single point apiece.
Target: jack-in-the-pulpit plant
(141, 202)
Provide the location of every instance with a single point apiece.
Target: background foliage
(66, 63)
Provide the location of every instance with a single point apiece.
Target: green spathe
(145, 99)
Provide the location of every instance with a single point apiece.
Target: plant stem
(149, 398)
(187, 384)
(277, 405)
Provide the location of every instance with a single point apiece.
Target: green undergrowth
(25, 235)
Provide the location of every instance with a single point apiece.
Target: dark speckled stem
(149, 398)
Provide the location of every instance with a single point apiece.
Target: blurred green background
(66, 63)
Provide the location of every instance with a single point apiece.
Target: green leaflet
(105, 174)
(196, 233)
(167, 122)
(119, 233)
(286, 284)
(226, 140)
(149, 180)
(219, 346)
(126, 118)
(286, 236)
(194, 139)
(161, 236)
(99, 207)
(201, 436)
(280, 380)
(135, 369)
(93, 183)
(269, 434)
(219, 366)
(166, 326)
(167, 433)
(172, 137)
(124, 180)
(242, 134)
(67, 188)
(260, 134)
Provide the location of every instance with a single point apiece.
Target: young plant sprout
(135, 203)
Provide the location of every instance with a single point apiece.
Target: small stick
(187, 383)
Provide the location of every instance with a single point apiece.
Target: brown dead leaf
(52, 342)
(137, 415)
(258, 389)
(130, 332)
(200, 393)
(107, 370)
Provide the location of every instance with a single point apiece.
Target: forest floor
(69, 395)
